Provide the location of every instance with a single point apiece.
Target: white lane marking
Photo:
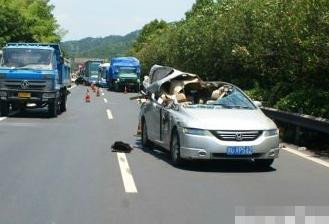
(3, 118)
(127, 177)
(109, 114)
(103, 94)
(105, 100)
(308, 157)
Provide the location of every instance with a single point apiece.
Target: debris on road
(121, 147)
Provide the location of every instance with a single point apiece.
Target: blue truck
(124, 72)
(34, 73)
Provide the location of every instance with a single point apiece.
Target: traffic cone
(87, 97)
(98, 93)
(125, 92)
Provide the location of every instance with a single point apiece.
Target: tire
(145, 140)
(264, 163)
(53, 108)
(63, 103)
(4, 107)
(175, 150)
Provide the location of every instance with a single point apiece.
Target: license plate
(24, 95)
(239, 150)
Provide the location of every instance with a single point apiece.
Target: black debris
(121, 147)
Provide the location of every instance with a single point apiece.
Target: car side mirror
(258, 103)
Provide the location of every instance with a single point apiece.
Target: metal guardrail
(298, 120)
(301, 120)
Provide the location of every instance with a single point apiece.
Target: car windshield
(234, 98)
(27, 58)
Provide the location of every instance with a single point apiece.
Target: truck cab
(91, 71)
(33, 73)
(124, 72)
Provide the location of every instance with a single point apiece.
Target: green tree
(28, 20)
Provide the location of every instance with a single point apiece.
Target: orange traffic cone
(125, 92)
(87, 97)
(98, 93)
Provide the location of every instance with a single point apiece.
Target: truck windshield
(127, 71)
(27, 58)
(94, 67)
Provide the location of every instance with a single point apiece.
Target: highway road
(62, 171)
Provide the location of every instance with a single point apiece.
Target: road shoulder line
(308, 157)
(128, 180)
(3, 118)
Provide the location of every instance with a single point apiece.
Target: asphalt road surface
(62, 171)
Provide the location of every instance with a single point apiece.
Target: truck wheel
(4, 106)
(63, 103)
(116, 87)
(53, 108)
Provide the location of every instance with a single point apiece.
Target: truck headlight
(194, 131)
(3, 93)
(271, 132)
(49, 95)
(47, 76)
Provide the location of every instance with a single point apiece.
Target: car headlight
(194, 131)
(271, 132)
(138, 80)
(2, 76)
(49, 95)
(118, 80)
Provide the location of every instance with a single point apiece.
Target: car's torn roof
(162, 74)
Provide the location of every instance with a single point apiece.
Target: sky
(100, 18)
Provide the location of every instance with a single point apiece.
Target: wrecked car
(197, 120)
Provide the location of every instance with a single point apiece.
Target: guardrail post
(297, 135)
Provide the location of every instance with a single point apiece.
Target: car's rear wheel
(264, 163)
(175, 150)
(145, 140)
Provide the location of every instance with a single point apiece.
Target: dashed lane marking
(308, 157)
(127, 177)
(105, 100)
(109, 114)
(3, 118)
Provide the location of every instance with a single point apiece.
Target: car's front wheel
(175, 150)
(145, 140)
(264, 163)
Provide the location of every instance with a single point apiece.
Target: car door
(152, 118)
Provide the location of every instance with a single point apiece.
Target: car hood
(227, 119)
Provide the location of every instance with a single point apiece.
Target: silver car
(198, 120)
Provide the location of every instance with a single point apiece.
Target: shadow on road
(40, 113)
(220, 166)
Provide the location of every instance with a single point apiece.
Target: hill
(113, 46)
